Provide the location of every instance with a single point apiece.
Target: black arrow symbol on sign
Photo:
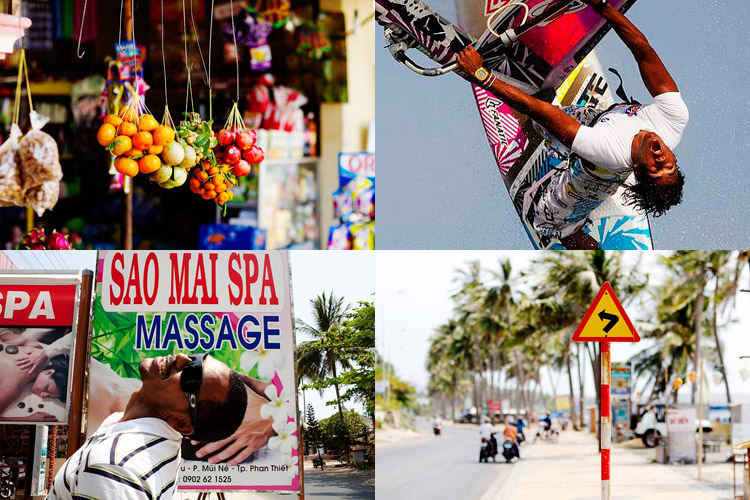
(611, 318)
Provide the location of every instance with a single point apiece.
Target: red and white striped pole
(606, 431)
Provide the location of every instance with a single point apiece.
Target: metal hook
(80, 34)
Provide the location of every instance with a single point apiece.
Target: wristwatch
(481, 74)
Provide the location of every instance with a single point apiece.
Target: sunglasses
(191, 380)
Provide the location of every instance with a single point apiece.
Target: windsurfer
(602, 149)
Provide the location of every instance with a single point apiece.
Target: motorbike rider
(520, 424)
(546, 422)
(486, 434)
(511, 432)
(437, 424)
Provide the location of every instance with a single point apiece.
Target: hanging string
(210, 40)
(187, 64)
(80, 34)
(119, 37)
(198, 41)
(163, 59)
(135, 53)
(236, 52)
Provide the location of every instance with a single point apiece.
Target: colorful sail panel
(545, 55)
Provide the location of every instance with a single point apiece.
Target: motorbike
(488, 449)
(548, 434)
(437, 429)
(509, 450)
(7, 488)
(318, 461)
(520, 438)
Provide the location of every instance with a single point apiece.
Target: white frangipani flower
(283, 441)
(268, 361)
(291, 466)
(280, 406)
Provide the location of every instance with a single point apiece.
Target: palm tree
(315, 362)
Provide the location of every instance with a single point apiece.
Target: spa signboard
(38, 313)
(234, 305)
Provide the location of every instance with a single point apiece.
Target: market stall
(183, 123)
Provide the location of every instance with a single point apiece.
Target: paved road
(438, 468)
(335, 485)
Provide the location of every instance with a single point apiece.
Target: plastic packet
(43, 197)
(11, 184)
(37, 155)
(339, 238)
(363, 236)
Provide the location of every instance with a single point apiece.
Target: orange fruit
(163, 135)
(201, 175)
(211, 193)
(143, 140)
(128, 114)
(209, 185)
(155, 150)
(195, 183)
(220, 188)
(113, 120)
(218, 179)
(147, 123)
(213, 171)
(231, 194)
(149, 163)
(126, 166)
(123, 144)
(225, 169)
(106, 133)
(206, 165)
(134, 153)
(205, 195)
(127, 128)
(223, 198)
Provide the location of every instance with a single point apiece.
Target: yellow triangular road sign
(606, 321)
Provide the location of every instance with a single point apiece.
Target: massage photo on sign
(157, 379)
(35, 363)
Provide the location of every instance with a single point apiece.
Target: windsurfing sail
(554, 60)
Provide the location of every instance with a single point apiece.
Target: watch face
(481, 74)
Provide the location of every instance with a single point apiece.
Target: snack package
(339, 238)
(365, 203)
(363, 236)
(11, 184)
(43, 197)
(342, 203)
(37, 155)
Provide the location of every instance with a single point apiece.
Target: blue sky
(438, 184)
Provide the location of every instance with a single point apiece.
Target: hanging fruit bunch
(234, 155)
(174, 155)
(198, 140)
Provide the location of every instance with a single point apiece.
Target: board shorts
(563, 199)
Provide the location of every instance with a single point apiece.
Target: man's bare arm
(655, 75)
(555, 120)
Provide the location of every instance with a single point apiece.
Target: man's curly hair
(646, 196)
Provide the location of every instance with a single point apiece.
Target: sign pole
(80, 361)
(606, 431)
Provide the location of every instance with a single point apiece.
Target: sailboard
(554, 60)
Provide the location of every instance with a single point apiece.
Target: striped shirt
(133, 460)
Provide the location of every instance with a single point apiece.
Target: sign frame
(55, 278)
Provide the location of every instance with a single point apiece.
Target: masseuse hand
(469, 60)
(34, 361)
(252, 435)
